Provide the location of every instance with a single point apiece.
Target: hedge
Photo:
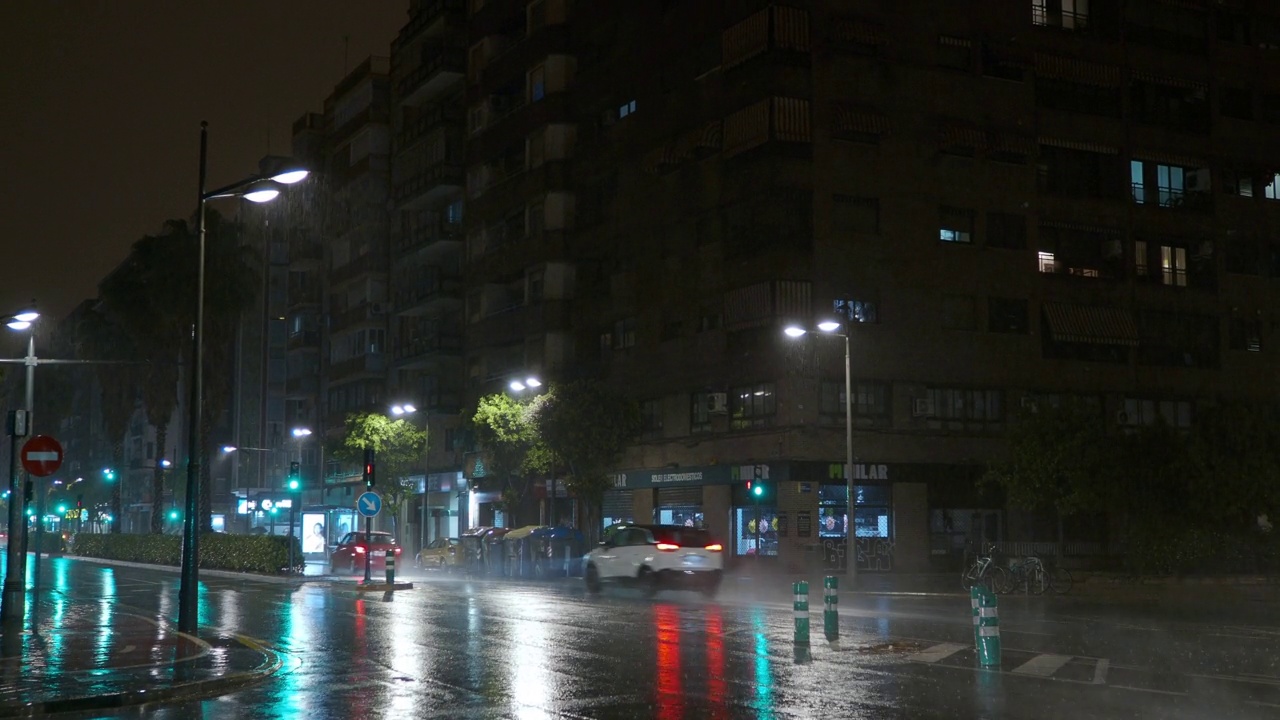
(218, 551)
(1174, 549)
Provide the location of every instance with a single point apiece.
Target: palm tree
(100, 338)
(144, 294)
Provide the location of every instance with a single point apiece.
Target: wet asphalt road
(457, 648)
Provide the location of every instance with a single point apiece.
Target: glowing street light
(528, 384)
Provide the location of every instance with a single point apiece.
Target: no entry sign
(41, 455)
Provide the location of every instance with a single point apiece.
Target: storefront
(802, 521)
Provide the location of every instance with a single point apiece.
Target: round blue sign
(369, 504)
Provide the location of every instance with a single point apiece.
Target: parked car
(349, 555)
(440, 554)
(656, 557)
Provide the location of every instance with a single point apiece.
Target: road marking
(1150, 690)
(1100, 672)
(1259, 703)
(1042, 665)
(938, 652)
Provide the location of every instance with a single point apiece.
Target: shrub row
(1173, 549)
(218, 551)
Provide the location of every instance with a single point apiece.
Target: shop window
(752, 406)
(752, 538)
(687, 516)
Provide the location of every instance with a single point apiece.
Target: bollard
(830, 613)
(391, 567)
(801, 611)
(975, 593)
(988, 632)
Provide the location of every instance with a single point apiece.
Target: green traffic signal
(173, 514)
(757, 490)
(293, 484)
(62, 509)
(109, 474)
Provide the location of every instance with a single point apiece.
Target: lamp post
(258, 189)
(400, 410)
(830, 327)
(532, 383)
(295, 486)
(15, 580)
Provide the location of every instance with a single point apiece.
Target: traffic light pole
(368, 521)
(291, 510)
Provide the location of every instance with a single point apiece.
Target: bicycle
(1060, 579)
(984, 572)
(1027, 573)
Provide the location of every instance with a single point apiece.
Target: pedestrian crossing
(1247, 689)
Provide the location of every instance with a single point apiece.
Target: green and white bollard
(830, 611)
(801, 611)
(975, 593)
(988, 630)
(391, 567)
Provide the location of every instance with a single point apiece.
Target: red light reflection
(670, 700)
(717, 689)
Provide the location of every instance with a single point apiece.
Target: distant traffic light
(62, 509)
(369, 478)
(108, 474)
(173, 514)
(295, 476)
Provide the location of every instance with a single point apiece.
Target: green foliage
(510, 440)
(1232, 465)
(1059, 459)
(399, 446)
(584, 426)
(240, 553)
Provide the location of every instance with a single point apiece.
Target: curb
(286, 580)
(212, 687)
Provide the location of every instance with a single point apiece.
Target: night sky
(100, 110)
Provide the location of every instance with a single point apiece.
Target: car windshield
(682, 536)
(377, 538)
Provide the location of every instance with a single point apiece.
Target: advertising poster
(314, 538)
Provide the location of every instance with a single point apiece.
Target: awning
(1091, 324)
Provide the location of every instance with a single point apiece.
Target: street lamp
(528, 383)
(258, 188)
(15, 579)
(830, 327)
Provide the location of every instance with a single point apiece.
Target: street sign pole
(368, 549)
(15, 582)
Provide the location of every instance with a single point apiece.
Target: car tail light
(360, 549)
(397, 551)
(715, 547)
(668, 547)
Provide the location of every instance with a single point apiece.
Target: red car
(349, 555)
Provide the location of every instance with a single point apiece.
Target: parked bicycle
(1026, 574)
(984, 572)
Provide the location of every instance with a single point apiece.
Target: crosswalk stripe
(938, 652)
(1042, 665)
(1100, 671)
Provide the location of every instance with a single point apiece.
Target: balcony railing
(357, 314)
(449, 343)
(440, 175)
(367, 263)
(438, 115)
(426, 286)
(304, 250)
(374, 363)
(423, 236)
(304, 339)
(438, 59)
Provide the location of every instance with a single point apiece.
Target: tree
(1060, 459)
(101, 339)
(399, 448)
(1232, 466)
(584, 426)
(146, 297)
(510, 444)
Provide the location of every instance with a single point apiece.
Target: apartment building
(1005, 203)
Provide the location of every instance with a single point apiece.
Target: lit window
(1140, 257)
(1272, 191)
(956, 225)
(1065, 14)
(1047, 264)
(537, 83)
(1173, 265)
(1172, 184)
(626, 109)
(1135, 181)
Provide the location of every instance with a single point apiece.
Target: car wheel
(440, 565)
(648, 581)
(592, 579)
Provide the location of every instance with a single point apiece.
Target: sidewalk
(83, 655)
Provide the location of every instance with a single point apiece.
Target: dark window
(651, 418)
(955, 53)
(1065, 14)
(870, 404)
(1243, 255)
(1178, 340)
(1236, 102)
(855, 214)
(1246, 334)
(963, 409)
(1076, 173)
(1270, 108)
(959, 312)
(700, 412)
(1007, 315)
(1006, 230)
(624, 333)
(1002, 64)
(1183, 107)
(1057, 94)
(1180, 28)
(1233, 26)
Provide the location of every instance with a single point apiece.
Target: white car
(656, 557)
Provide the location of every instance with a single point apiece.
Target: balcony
(441, 64)
(370, 364)
(431, 183)
(307, 339)
(297, 387)
(369, 116)
(422, 291)
(437, 115)
(367, 263)
(522, 320)
(364, 312)
(418, 352)
(305, 252)
(425, 236)
(452, 12)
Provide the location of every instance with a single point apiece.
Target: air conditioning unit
(717, 403)
(922, 407)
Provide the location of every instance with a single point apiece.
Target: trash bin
(518, 553)
(471, 545)
(494, 561)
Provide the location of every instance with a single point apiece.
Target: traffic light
(108, 474)
(295, 477)
(758, 486)
(173, 514)
(369, 479)
(62, 509)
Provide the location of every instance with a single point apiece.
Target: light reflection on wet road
(454, 648)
